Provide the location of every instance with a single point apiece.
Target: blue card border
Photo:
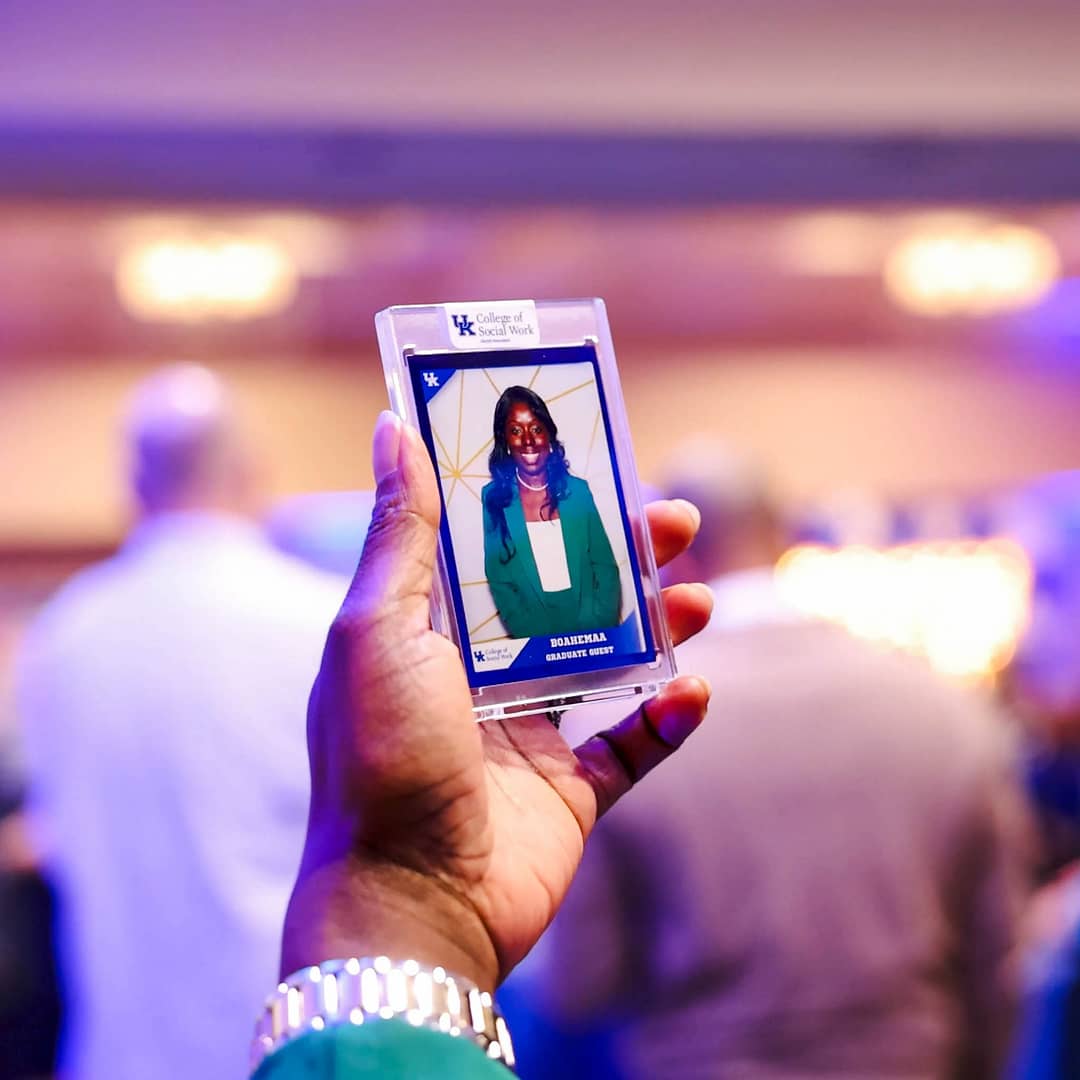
(419, 362)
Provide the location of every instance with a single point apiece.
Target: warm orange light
(832, 244)
(191, 278)
(971, 269)
(962, 604)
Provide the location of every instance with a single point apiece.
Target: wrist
(355, 906)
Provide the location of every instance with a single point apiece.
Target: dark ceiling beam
(343, 168)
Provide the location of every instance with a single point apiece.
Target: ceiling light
(962, 604)
(971, 270)
(192, 278)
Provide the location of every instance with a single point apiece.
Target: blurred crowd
(863, 868)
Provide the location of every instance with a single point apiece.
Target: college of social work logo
(495, 654)
(495, 326)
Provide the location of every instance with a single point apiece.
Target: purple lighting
(1056, 320)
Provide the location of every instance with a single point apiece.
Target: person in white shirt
(162, 695)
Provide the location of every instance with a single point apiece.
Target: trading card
(547, 576)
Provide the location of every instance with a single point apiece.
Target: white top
(163, 695)
(549, 551)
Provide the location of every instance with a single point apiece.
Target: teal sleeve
(380, 1048)
(504, 583)
(606, 594)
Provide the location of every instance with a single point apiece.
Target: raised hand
(430, 836)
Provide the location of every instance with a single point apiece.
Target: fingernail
(385, 445)
(707, 596)
(704, 591)
(691, 509)
(676, 725)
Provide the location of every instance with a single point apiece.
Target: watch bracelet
(360, 989)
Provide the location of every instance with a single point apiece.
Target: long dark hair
(503, 471)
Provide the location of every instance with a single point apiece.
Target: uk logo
(464, 325)
(431, 379)
(478, 655)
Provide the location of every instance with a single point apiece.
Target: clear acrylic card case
(546, 578)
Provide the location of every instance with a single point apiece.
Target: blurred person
(323, 528)
(1044, 690)
(1043, 683)
(434, 839)
(29, 983)
(1048, 1042)
(829, 885)
(162, 696)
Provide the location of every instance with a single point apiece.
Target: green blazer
(380, 1050)
(591, 603)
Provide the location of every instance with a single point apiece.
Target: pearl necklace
(523, 483)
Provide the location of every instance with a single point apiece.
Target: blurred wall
(824, 419)
(889, 65)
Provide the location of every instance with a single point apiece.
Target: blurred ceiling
(729, 175)
(668, 157)
(763, 277)
(868, 66)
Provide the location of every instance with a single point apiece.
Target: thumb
(396, 567)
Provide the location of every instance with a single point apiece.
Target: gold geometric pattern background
(461, 418)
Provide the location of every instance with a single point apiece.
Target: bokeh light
(963, 605)
(196, 278)
(971, 269)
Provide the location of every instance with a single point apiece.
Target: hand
(430, 836)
